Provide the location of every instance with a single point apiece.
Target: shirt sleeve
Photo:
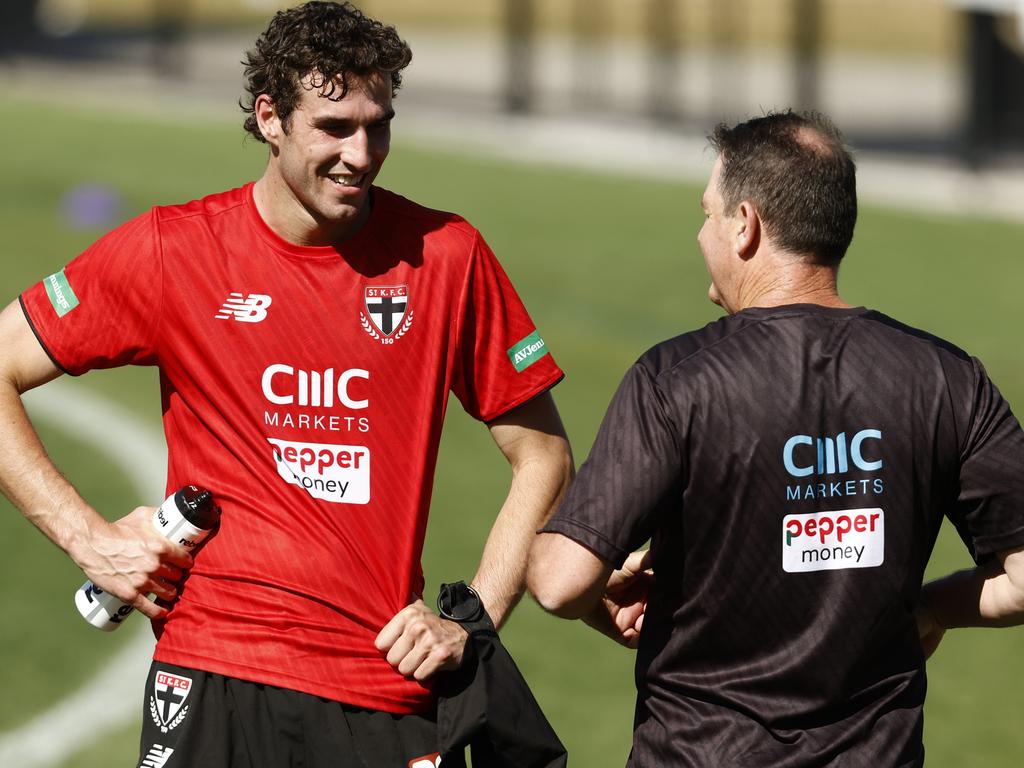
(633, 476)
(989, 512)
(503, 361)
(102, 310)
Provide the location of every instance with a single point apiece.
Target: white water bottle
(186, 517)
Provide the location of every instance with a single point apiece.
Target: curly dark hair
(329, 42)
(800, 176)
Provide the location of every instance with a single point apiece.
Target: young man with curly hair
(308, 328)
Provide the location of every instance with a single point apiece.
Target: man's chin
(345, 218)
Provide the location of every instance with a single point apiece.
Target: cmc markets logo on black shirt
(844, 538)
(823, 457)
(832, 455)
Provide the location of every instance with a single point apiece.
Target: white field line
(113, 697)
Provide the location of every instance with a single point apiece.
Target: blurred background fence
(939, 77)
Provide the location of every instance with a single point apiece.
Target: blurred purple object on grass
(92, 206)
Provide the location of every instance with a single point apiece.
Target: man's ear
(747, 230)
(267, 119)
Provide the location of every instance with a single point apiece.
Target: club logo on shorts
(245, 309)
(167, 704)
(427, 761)
(387, 317)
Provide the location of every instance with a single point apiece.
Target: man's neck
(794, 282)
(292, 221)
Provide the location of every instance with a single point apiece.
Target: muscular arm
(417, 643)
(570, 581)
(991, 595)
(534, 443)
(125, 558)
(566, 578)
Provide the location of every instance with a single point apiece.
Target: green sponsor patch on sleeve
(61, 296)
(528, 351)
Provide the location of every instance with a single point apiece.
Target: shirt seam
(158, 245)
(558, 521)
(1002, 541)
(533, 392)
(39, 338)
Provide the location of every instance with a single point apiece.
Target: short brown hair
(795, 169)
(330, 42)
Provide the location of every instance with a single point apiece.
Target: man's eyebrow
(322, 121)
(703, 204)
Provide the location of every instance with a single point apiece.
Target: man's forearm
(533, 441)
(987, 596)
(128, 558)
(31, 481)
(537, 488)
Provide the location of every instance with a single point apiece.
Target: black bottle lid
(196, 505)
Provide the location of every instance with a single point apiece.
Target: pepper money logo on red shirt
(333, 472)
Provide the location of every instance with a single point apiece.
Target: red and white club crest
(387, 315)
(427, 761)
(167, 704)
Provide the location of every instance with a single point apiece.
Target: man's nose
(355, 151)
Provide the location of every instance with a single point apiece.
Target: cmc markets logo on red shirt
(285, 385)
(387, 317)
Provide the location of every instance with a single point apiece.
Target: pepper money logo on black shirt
(849, 538)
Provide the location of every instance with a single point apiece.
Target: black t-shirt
(792, 466)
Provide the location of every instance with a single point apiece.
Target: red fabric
(293, 589)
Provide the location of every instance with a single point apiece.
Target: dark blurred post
(590, 23)
(995, 116)
(520, 32)
(664, 35)
(806, 52)
(170, 18)
(981, 105)
(17, 26)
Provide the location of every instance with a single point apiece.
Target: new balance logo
(157, 757)
(245, 309)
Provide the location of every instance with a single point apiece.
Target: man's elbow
(555, 599)
(549, 584)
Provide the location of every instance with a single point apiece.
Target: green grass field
(608, 266)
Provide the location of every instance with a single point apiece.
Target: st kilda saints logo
(167, 705)
(427, 761)
(387, 317)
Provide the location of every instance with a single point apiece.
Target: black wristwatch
(460, 603)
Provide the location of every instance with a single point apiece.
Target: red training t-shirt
(306, 387)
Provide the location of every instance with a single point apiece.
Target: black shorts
(194, 719)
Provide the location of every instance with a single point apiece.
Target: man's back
(792, 465)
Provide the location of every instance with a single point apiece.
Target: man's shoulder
(417, 217)
(211, 205)
(912, 336)
(687, 347)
